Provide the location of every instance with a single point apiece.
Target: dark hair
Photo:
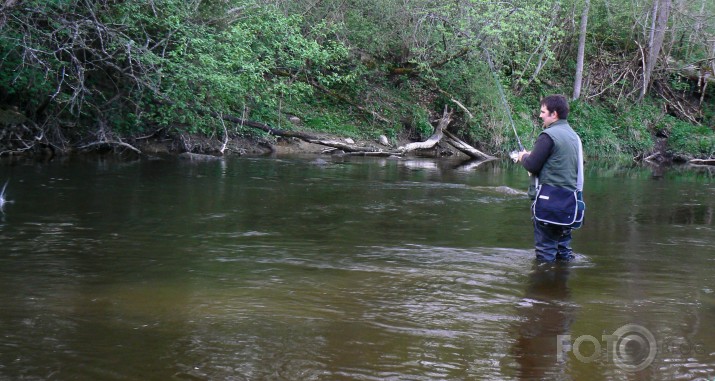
(558, 103)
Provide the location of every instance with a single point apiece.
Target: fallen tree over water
(702, 161)
(105, 139)
(430, 143)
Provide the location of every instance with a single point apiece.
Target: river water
(348, 269)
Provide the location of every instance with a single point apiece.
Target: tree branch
(434, 139)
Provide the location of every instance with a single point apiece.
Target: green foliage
(690, 139)
(326, 120)
(421, 122)
(256, 61)
(611, 23)
(475, 85)
(634, 133)
(597, 128)
(178, 60)
(136, 65)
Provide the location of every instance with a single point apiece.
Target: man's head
(553, 108)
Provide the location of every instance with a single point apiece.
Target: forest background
(82, 73)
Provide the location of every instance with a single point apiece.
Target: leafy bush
(690, 139)
(636, 126)
(597, 128)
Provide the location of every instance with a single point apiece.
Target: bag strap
(579, 175)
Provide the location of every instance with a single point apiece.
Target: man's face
(548, 117)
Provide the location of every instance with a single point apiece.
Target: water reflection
(355, 269)
(545, 313)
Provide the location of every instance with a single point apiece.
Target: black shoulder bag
(560, 206)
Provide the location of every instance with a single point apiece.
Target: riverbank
(200, 146)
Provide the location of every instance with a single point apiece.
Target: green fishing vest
(561, 168)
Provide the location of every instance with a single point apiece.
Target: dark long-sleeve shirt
(534, 161)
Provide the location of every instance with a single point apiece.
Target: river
(293, 268)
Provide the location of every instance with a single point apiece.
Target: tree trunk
(434, 139)
(581, 52)
(468, 150)
(702, 161)
(661, 10)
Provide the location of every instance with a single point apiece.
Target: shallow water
(354, 269)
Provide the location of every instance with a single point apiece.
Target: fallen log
(111, 143)
(702, 161)
(341, 146)
(465, 148)
(295, 134)
(440, 132)
(432, 140)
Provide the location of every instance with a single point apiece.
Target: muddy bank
(20, 142)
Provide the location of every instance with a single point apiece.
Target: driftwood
(295, 134)
(111, 143)
(434, 139)
(468, 150)
(453, 140)
(341, 145)
(351, 149)
(653, 156)
(702, 161)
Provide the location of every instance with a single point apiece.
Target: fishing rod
(503, 97)
(3, 201)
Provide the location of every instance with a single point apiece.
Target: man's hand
(521, 155)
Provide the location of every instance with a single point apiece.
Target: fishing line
(503, 97)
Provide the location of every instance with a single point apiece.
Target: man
(555, 160)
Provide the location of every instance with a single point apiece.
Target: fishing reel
(514, 155)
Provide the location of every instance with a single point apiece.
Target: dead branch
(295, 134)
(111, 143)
(674, 101)
(451, 98)
(432, 140)
(351, 149)
(465, 148)
(462, 52)
(652, 157)
(225, 137)
(702, 161)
